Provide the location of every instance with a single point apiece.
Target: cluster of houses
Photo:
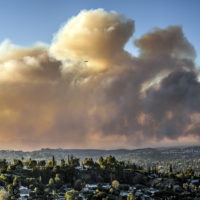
(157, 188)
(151, 192)
(136, 183)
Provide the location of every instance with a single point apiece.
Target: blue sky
(25, 22)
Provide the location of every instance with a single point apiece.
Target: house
(24, 193)
(2, 188)
(177, 188)
(195, 182)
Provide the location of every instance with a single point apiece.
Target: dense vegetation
(111, 179)
(46, 178)
(181, 158)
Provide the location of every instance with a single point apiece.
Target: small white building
(24, 193)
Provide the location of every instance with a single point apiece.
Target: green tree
(101, 160)
(51, 181)
(4, 178)
(57, 179)
(42, 163)
(72, 195)
(10, 168)
(50, 164)
(3, 195)
(88, 162)
(99, 195)
(32, 164)
(62, 163)
(170, 168)
(78, 185)
(10, 189)
(73, 161)
(3, 165)
(54, 161)
(16, 181)
(17, 163)
(189, 172)
(115, 184)
(130, 196)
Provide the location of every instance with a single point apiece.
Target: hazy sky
(99, 74)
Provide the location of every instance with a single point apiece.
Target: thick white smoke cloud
(86, 91)
(94, 36)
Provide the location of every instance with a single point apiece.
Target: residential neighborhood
(105, 179)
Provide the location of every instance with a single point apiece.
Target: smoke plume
(85, 90)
